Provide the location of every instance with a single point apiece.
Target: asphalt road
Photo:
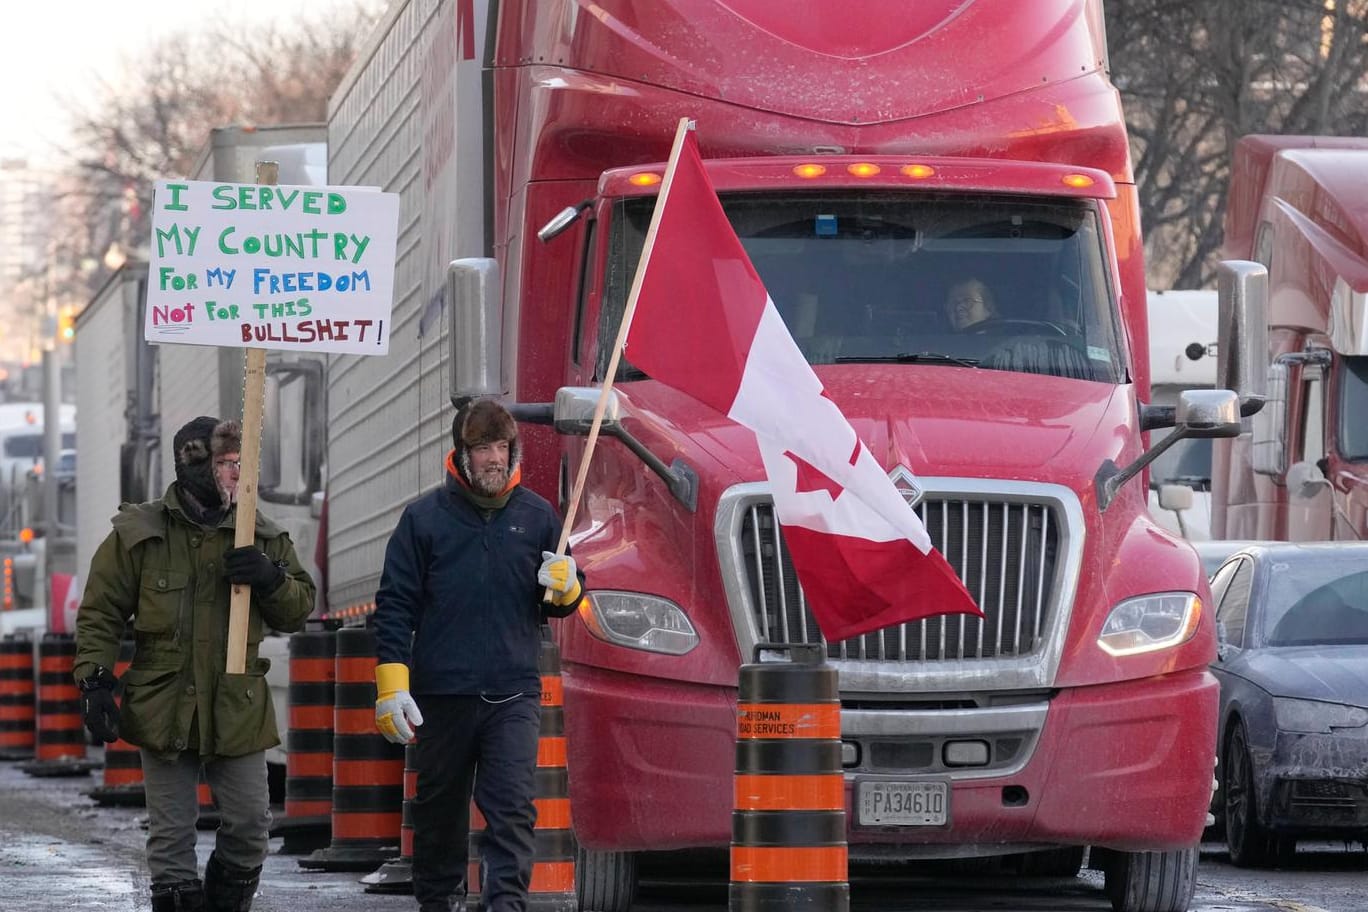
(60, 852)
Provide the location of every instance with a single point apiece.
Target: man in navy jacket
(457, 624)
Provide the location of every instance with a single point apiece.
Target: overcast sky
(50, 48)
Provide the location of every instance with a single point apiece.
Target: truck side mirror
(1175, 497)
(1199, 413)
(1305, 479)
(473, 292)
(1208, 413)
(573, 414)
(1242, 334)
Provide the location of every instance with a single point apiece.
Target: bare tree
(1195, 75)
(152, 122)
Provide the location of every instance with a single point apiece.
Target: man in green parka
(168, 567)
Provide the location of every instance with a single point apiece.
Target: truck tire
(605, 881)
(1151, 881)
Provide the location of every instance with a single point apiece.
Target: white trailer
(1182, 328)
(113, 384)
(410, 118)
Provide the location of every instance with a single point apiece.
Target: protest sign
(275, 267)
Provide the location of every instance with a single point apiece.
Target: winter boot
(228, 888)
(181, 896)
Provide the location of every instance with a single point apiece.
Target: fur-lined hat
(484, 421)
(192, 441)
(227, 438)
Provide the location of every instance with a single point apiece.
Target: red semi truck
(1295, 206)
(874, 157)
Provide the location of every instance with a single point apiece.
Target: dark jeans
(493, 745)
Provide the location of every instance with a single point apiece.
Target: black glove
(248, 566)
(98, 707)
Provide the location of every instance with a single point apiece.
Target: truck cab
(1300, 470)
(877, 162)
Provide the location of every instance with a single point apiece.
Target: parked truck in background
(871, 157)
(1300, 470)
(1182, 350)
(29, 552)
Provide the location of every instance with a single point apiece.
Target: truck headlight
(1316, 715)
(1150, 622)
(638, 621)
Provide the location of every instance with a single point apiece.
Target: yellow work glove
(396, 715)
(558, 574)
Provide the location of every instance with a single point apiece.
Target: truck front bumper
(1126, 765)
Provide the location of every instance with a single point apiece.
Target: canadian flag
(704, 324)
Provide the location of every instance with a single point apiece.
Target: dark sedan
(1292, 623)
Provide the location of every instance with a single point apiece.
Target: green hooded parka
(164, 572)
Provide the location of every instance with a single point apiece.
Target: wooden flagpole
(244, 533)
(685, 125)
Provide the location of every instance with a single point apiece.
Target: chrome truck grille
(1015, 546)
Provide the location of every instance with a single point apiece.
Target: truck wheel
(1251, 844)
(605, 881)
(1151, 881)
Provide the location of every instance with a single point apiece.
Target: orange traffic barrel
(474, 870)
(368, 771)
(307, 823)
(208, 807)
(60, 740)
(789, 824)
(553, 867)
(122, 782)
(396, 875)
(17, 706)
(552, 888)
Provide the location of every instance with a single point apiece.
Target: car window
(1333, 613)
(1221, 579)
(1234, 603)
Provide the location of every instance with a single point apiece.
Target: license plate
(882, 803)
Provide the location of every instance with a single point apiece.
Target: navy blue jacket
(459, 601)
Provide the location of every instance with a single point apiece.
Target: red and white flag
(704, 324)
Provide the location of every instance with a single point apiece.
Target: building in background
(26, 206)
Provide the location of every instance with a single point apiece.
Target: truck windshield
(988, 282)
(1353, 430)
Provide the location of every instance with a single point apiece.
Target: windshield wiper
(908, 358)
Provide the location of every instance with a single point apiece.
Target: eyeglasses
(234, 464)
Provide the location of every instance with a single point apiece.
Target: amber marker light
(918, 171)
(644, 179)
(863, 169)
(1077, 181)
(809, 171)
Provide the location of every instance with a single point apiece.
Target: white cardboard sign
(264, 266)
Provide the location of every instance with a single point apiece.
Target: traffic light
(66, 325)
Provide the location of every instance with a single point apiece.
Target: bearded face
(488, 470)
